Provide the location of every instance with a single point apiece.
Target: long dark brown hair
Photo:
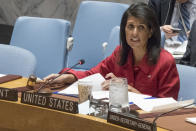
(143, 12)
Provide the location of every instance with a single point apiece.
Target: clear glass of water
(118, 95)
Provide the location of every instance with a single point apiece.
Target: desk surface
(16, 116)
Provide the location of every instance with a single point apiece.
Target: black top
(189, 57)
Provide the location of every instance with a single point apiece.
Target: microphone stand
(170, 112)
(64, 72)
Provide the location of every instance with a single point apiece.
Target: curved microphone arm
(80, 62)
(171, 111)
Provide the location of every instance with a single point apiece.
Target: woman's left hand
(105, 84)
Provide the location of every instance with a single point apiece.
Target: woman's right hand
(65, 78)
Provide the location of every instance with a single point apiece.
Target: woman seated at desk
(149, 69)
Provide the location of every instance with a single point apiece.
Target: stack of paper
(191, 120)
(2, 75)
(160, 104)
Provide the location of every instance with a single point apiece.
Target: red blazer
(159, 80)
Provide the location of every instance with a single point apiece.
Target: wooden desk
(16, 116)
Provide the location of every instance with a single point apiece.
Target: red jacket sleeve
(104, 67)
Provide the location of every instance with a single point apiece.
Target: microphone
(80, 62)
(162, 114)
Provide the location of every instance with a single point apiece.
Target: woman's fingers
(50, 77)
(110, 75)
(105, 85)
(39, 81)
(57, 78)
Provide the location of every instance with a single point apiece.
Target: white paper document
(2, 75)
(191, 120)
(133, 96)
(84, 107)
(153, 105)
(187, 102)
(160, 104)
(100, 94)
(97, 79)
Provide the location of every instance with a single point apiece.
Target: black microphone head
(81, 62)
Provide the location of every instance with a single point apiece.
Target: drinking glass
(84, 90)
(98, 108)
(118, 95)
